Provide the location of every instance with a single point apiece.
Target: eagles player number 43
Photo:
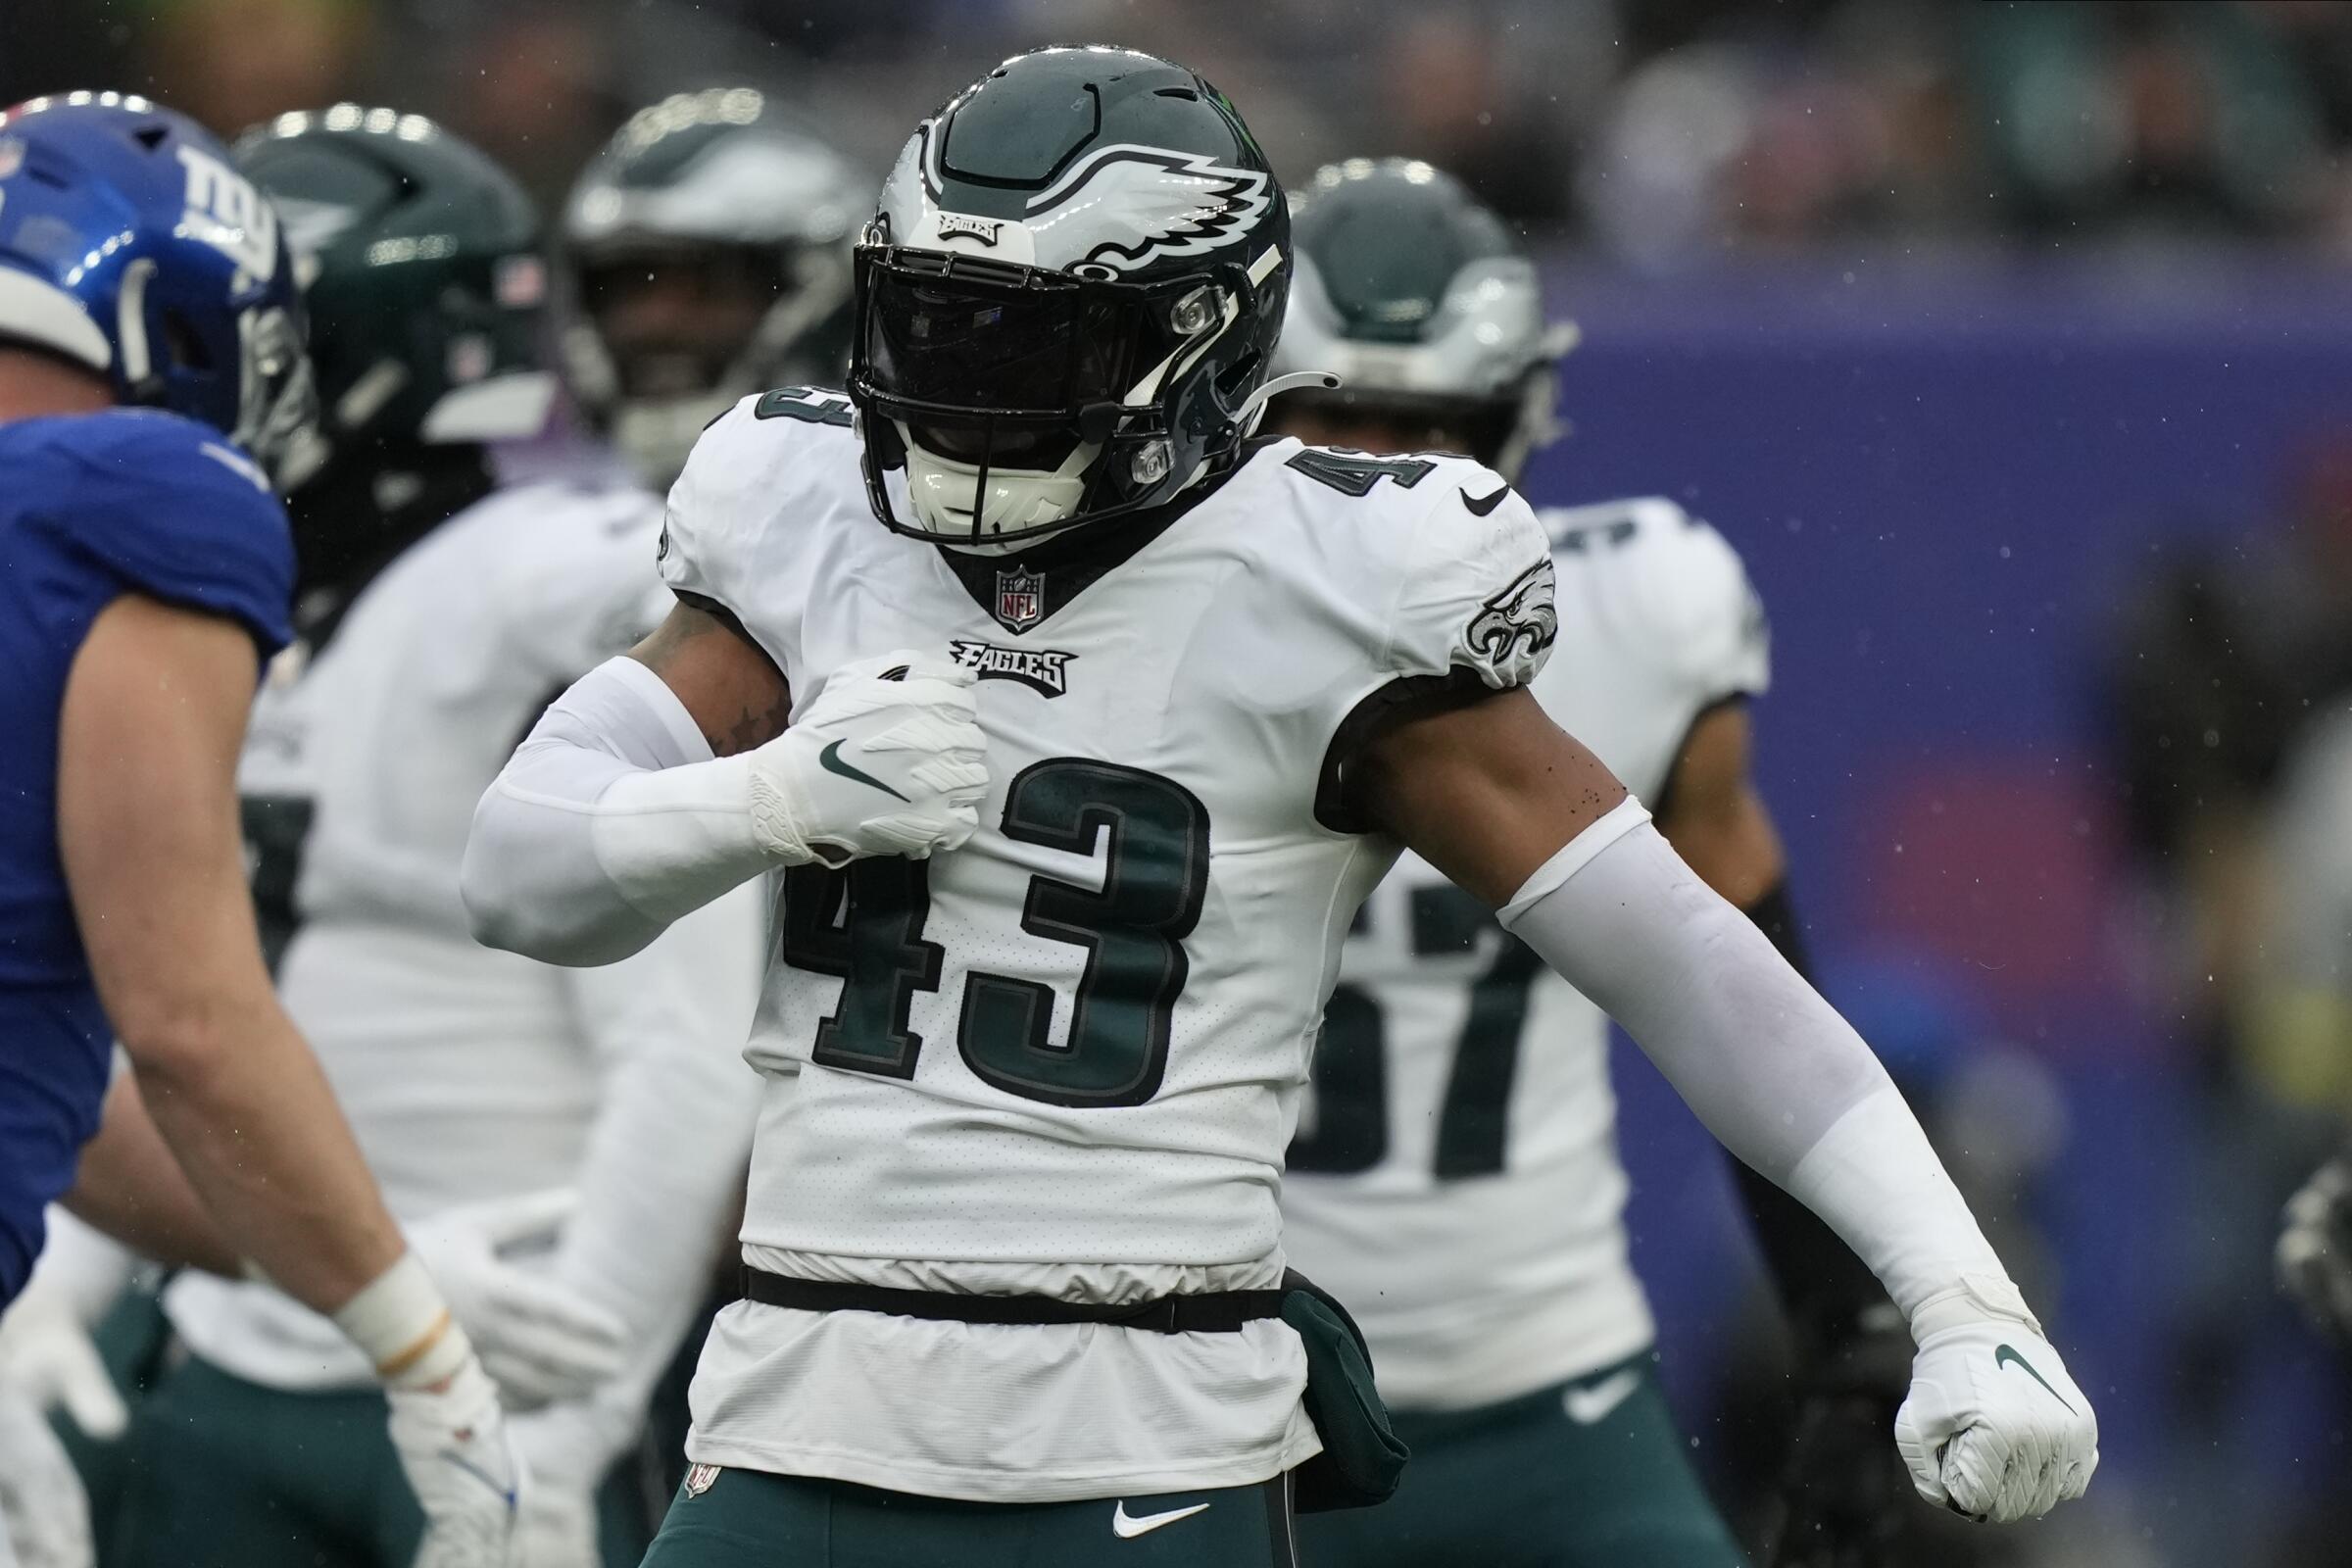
(865, 925)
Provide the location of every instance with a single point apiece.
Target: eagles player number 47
(1351, 1077)
(865, 925)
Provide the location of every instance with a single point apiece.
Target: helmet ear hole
(185, 344)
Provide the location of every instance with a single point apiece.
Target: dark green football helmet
(1426, 308)
(1069, 301)
(427, 303)
(425, 286)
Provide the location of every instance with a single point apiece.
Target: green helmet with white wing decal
(1069, 301)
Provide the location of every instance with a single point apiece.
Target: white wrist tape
(1771, 1070)
(400, 1323)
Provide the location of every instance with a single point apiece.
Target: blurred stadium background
(2013, 346)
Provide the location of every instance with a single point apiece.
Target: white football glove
(539, 1339)
(1994, 1429)
(888, 759)
(43, 1512)
(568, 1452)
(452, 1442)
(46, 1352)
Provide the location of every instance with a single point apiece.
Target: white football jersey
(468, 1074)
(1456, 1180)
(1066, 1058)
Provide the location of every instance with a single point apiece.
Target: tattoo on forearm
(762, 707)
(752, 728)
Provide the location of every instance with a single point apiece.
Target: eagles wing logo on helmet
(1517, 624)
(1170, 202)
(1139, 203)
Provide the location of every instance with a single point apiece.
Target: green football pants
(1591, 1474)
(223, 1473)
(751, 1519)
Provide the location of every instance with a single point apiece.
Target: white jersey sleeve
(1478, 589)
(1436, 568)
(721, 538)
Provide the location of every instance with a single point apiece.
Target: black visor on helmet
(945, 340)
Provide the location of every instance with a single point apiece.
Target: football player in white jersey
(602, 1114)
(704, 255)
(1081, 722)
(1462, 1114)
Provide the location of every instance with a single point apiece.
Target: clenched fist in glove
(886, 761)
(1994, 1427)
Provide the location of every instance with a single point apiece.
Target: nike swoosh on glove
(452, 1443)
(1994, 1427)
(42, 1507)
(887, 760)
(539, 1339)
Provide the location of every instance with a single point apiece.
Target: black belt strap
(1205, 1312)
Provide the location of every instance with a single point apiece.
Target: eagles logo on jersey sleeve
(1448, 573)
(1478, 591)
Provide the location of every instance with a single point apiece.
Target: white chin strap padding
(945, 492)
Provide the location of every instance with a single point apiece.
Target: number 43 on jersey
(865, 925)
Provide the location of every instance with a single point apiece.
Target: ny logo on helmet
(227, 213)
(1021, 599)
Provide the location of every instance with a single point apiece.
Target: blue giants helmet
(130, 245)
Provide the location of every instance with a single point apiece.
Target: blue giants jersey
(92, 507)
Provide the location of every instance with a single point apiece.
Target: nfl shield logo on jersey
(1021, 599)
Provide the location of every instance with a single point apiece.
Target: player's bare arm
(1714, 816)
(1481, 792)
(147, 825)
(131, 1187)
(734, 691)
(1486, 792)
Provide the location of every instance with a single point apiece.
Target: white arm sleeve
(609, 821)
(1768, 1065)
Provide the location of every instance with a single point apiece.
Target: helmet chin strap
(1253, 406)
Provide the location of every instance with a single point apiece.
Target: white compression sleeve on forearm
(1769, 1067)
(609, 821)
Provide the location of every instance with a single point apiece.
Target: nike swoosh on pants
(1127, 1526)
